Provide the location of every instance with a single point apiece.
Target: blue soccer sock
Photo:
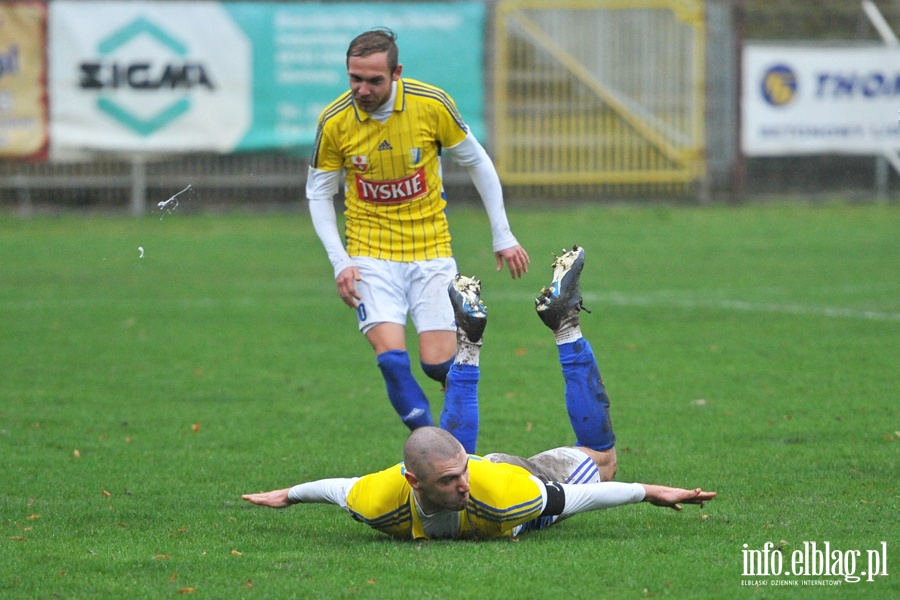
(438, 372)
(403, 390)
(460, 414)
(586, 399)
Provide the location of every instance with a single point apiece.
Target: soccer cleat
(469, 310)
(562, 298)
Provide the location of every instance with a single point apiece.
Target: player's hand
(346, 285)
(516, 258)
(273, 499)
(661, 495)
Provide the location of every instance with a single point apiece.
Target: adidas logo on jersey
(385, 145)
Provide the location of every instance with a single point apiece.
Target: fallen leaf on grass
(187, 590)
(195, 427)
(249, 584)
(371, 581)
(173, 578)
(18, 538)
(77, 453)
(33, 517)
(106, 494)
(236, 553)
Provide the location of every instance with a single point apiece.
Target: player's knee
(607, 463)
(439, 371)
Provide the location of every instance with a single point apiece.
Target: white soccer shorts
(391, 291)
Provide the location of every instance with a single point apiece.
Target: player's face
(371, 79)
(447, 488)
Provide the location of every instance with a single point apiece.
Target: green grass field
(749, 350)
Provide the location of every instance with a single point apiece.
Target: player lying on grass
(441, 492)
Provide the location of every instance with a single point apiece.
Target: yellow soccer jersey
(394, 194)
(501, 497)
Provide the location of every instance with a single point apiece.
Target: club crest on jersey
(393, 191)
(361, 163)
(415, 155)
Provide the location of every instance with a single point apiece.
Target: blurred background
(117, 105)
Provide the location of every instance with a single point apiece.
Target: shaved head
(426, 446)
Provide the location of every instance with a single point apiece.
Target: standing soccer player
(385, 136)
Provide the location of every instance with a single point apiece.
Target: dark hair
(380, 39)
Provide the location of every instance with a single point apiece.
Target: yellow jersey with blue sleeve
(395, 207)
(501, 497)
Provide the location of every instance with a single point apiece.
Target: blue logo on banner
(779, 85)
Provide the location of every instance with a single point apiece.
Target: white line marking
(742, 305)
(663, 300)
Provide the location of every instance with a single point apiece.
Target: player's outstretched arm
(329, 491)
(273, 499)
(670, 497)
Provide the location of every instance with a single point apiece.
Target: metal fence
(600, 93)
(135, 183)
(534, 49)
(590, 99)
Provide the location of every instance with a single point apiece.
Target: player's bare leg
(606, 461)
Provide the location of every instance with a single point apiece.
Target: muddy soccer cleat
(469, 310)
(562, 300)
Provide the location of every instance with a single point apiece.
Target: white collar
(384, 111)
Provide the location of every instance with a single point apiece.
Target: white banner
(147, 77)
(807, 100)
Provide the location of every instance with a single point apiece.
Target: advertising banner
(808, 100)
(23, 106)
(300, 51)
(167, 77)
(147, 77)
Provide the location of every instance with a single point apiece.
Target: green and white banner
(169, 77)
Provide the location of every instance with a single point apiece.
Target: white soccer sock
(467, 353)
(569, 330)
